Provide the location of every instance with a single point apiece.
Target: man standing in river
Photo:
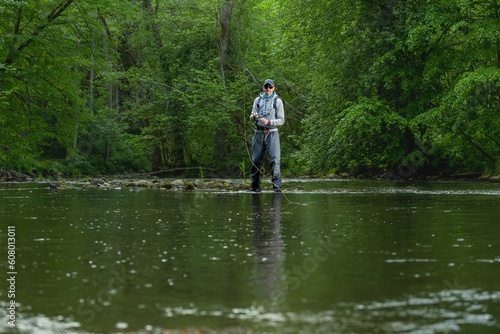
(267, 113)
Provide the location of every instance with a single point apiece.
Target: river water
(326, 256)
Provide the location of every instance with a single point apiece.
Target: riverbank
(134, 183)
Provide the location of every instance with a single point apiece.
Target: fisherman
(267, 113)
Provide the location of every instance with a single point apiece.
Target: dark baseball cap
(269, 81)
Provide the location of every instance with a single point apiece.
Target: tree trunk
(497, 15)
(175, 138)
(91, 75)
(226, 12)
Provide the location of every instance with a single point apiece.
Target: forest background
(369, 86)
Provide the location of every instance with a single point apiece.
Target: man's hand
(264, 121)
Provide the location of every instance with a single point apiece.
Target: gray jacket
(264, 107)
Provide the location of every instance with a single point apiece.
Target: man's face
(268, 89)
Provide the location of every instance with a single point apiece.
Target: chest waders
(266, 140)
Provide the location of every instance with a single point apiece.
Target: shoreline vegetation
(134, 182)
(409, 87)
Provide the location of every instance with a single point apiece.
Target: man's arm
(254, 116)
(280, 114)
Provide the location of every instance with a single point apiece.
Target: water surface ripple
(327, 256)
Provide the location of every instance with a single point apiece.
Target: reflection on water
(269, 273)
(324, 257)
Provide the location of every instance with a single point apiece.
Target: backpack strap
(274, 102)
(258, 102)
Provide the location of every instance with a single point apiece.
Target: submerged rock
(96, 182)
(138, 184)
(189, 186)
(165, 185)
(178, 183)
(143, 184)
(495, 178)
(13, 176)
(183, 184)
(193, 330)
(53, 185)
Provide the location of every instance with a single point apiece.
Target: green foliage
(431, 63)
(367, 138)
(465, 126)
(243, 169)
(111, 87)
(106, 149)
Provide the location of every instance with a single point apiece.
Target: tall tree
(226, 12)
(36, 112)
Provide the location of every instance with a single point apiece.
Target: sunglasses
(268, 86)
